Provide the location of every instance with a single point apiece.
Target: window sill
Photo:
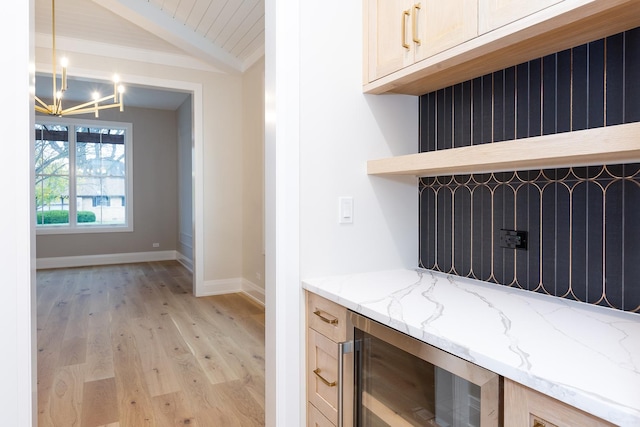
(84, 230)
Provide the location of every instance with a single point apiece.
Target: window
(82, 176)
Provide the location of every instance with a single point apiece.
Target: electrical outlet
(513, 239)
(258, 276)
(156, 245)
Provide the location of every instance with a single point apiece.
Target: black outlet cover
(513, 239)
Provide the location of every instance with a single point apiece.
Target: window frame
(73, 227)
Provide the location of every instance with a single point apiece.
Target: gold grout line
(604, 84)
(571, 91)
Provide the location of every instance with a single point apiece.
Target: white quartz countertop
(581, 354)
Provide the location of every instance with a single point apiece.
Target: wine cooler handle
(343, 348)
(340, 384)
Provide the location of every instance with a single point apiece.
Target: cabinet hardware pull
(538, 423)
(333, 321)
(323, 379)
(405, 13)
(416, 8)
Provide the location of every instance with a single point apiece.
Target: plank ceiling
(225, 34)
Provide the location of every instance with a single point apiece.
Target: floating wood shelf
(599, 146)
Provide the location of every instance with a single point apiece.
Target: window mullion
(73, 202)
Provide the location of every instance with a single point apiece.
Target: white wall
(323, 133)
(17, 255)
(253, 179)
(185, 182)
(340, 129)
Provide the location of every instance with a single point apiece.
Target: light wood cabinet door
(389, 36)
(524, 407)
(441, 25)
(322, 374)
(496, 13)
(316, 419)
(401, 32)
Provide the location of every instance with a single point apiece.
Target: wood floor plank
(194, 382)
(172, 339)
(213, 364)
(133, 396)
(49, 345)
(173, 410)
(130, 346)
(73, 352)
(99, 361)
(154, 362)
(64, 404)
(245, 408)
(99, 403)
(78, 316)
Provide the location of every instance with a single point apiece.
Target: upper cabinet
(415, 47)
(493, 14)
(405, 32)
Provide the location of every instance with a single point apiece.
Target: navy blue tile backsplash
(582, 223)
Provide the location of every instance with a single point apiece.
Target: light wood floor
(129, 346)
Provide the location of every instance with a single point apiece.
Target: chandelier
(98, 102)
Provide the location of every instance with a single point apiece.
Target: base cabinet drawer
(322, 374)
(326, 317)
(316, 419)
(524, 407)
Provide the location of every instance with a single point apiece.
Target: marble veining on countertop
(581, 354)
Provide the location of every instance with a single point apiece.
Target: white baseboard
(233, 285)
(88, 260)
(254, 291)
(221, 286)
(211, 287)
(186, 262)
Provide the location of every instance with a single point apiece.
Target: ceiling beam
(154, 20)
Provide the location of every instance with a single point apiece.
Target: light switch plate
(345, 210)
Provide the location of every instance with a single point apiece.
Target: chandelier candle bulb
(116, 79)
(96, 98)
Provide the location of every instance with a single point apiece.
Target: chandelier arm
(88, 110)
(87, 104)
(44, 110)
(58, 105)
(39, 101)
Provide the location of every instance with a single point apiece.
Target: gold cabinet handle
(333, 321)
(405, 13)
(416, 8)
(323, 379)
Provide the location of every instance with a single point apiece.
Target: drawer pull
(416, 8)
(405, 13)
(323, 379)
(333, 321)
